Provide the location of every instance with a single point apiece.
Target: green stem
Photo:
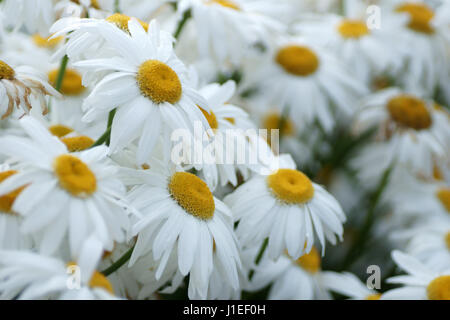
(116, 6)
(363, 236)
(180, 26)
(116, 265)
(61, 72)
(106, 136)
(259, 257)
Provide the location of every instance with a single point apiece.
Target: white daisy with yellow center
(411, 131)
(428, 240)
(291, 279)
(225, 30)
(308, 80)
(147, 84)
(11, 237)
(349, 285)
(86, 197)
(288, 208)
(30, 276)
(226, 119)
(425, 28)
(422, 282)
(23, 87)
(368, 53)
(180, 213)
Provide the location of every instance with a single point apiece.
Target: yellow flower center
(74, 176)
(98, 280)
(121, 21)
(310, 261)
(353, 29)
(159, 82)
(410, 112)
(71, 83)
(439, 288)
(291, 186)
(272, 121)
(7, 200)
(192, 194)
(226, 4)
(437, 173)
(297, 60)
(211, 118)
(420, 16)
(59, 130)
(6, 72)
(375, 296)
(444, 196)
(79, 143)
(45, 42)
(447, 240)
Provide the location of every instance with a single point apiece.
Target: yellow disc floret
(226, 4)
(310, 261)
(420, 16)
(60, 130)
(273, 121)
(74, 176)
(6, 72)
(121, 21)
(410, 112)
(78, 143)
(71, 83)
(352, 29)
(291, 186)
(439, 288)
(7, 200)
(375, 296)
(444, 196)
(192, 194)
(297, 60)
(447, 240)
(159, 82)
(211, 118)
(98, 280)
(46, 42)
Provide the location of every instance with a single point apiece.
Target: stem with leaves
(119, 263)
(363, 236)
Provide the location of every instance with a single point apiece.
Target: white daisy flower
(10, 236)
(428, 241)
(421, 283)
(148, 86)
(369, 53)
(349, 285)
(226, 29)
(20, 86)
(180, 213)
(402, 194)
(35, 15)
(144, 271)
(292, 279)
(307, 80)
(86, 196)
(411, 131)
(84, 36)
(229, 121)
(427, 68)
(83, 8)
(30, 276)
(287, 208)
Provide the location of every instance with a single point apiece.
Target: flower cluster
(224, 149)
